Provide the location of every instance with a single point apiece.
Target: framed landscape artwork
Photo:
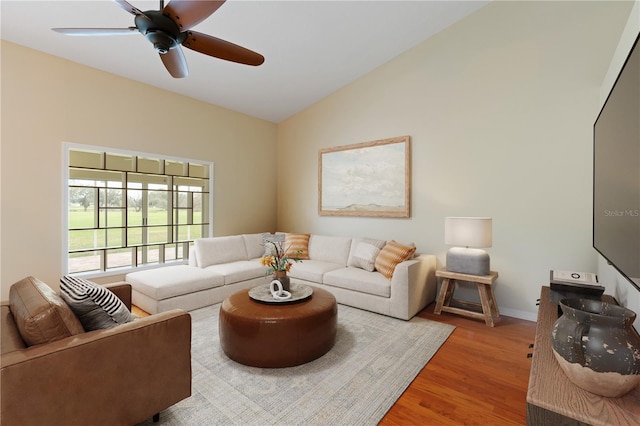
(366, 179)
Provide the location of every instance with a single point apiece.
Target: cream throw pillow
(391, 255)
(364, 256)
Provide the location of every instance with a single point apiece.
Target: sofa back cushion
(217, 250)
(329, 249)
(253, 245)
(40, 314)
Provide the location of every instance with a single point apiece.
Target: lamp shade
(468, 231)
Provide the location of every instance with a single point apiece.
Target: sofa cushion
(329, 249)
(242, 270)
(253, 245)
(170, 281)
(391, 255)
(312, 270)
(40, 314)
(297, 245)
(359, 280)
(216, 250)
(94, 305)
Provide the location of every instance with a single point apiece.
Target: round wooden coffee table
(277, 335)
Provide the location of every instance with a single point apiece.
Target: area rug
(374, 360)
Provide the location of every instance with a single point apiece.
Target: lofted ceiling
(311, 48)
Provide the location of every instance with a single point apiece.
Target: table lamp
(474, 233)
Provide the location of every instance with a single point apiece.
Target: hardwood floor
(139, 312)
(478, 377)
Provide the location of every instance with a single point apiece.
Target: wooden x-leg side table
(487, 305)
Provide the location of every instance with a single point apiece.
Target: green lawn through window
(86, 235)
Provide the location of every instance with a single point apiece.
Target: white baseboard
(515, 313)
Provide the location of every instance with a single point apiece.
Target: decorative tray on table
(262, 294)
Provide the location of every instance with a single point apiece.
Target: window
(127, 210)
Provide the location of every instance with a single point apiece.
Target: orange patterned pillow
(297, 242)
(391, 255)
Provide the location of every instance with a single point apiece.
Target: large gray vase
(597, 347)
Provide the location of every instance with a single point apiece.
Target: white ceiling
(311, 48)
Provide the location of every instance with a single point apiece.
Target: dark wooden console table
(552, 399)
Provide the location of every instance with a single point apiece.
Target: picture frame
(366, 179)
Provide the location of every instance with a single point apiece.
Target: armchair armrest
(121, 375)
(123, 291)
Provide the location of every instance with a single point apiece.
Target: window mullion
(171, 196)
(123, 211)
(145, 222)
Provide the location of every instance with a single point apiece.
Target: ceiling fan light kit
(168, 28)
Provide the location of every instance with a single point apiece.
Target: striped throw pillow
(391, 255)
(94, 305)
(297, 242)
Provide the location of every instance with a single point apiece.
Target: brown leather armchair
(117, 376)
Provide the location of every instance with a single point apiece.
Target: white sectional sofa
(220, 266)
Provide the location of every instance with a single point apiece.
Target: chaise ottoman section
(242, 270)
(162, 289)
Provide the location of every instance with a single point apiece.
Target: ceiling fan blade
(189, 13)
(129, 8)
(95, 31)
(222, 49)
(175, 62)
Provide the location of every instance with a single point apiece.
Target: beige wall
(47, 101)
(616, 284)
(500, 108)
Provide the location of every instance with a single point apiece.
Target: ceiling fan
(169, 27)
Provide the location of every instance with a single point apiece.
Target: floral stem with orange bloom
(279, 260)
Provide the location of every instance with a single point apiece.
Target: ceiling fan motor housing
(160, 30)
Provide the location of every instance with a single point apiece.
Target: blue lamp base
(468, 261)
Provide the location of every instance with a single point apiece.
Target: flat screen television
(616, 172)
